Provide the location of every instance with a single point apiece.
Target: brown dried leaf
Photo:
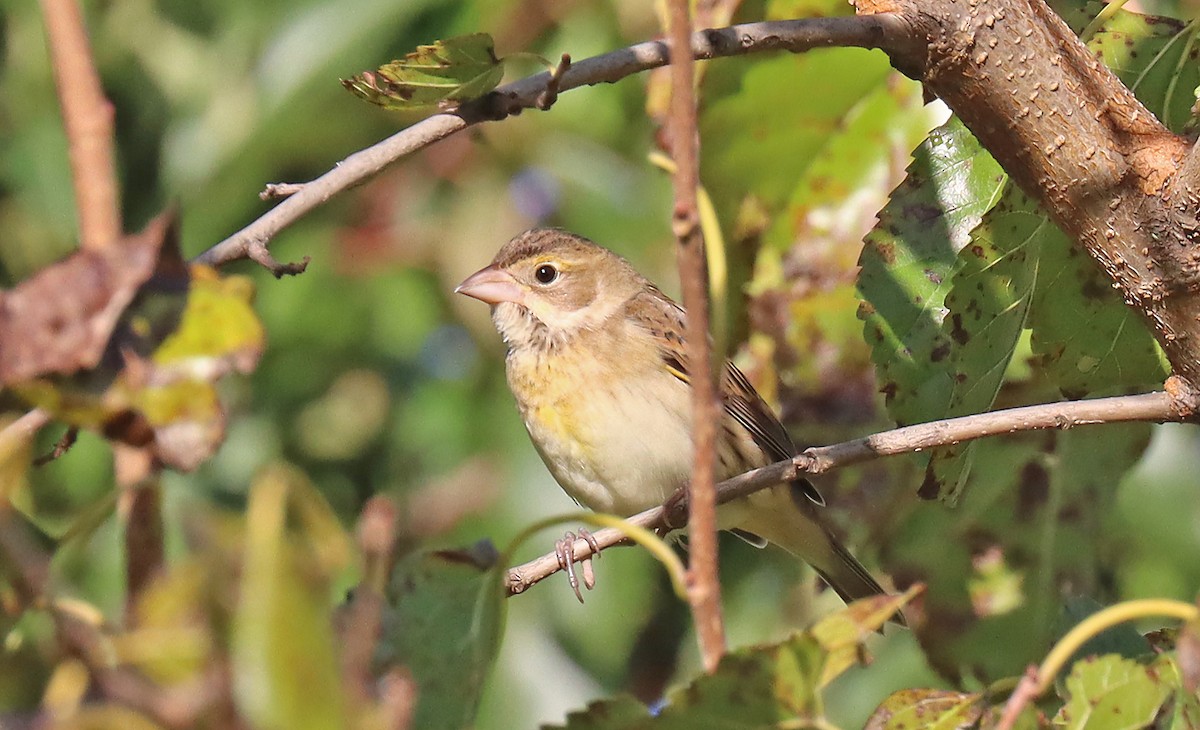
(62, 319)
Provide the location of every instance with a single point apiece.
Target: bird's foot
(564, 550)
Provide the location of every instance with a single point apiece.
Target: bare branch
(259, 253)
(1173, 405)
(550, 95)
(279, 190)
(877, 31)
(88, 119)
(704, 588)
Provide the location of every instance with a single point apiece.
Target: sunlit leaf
(908, 262)
(843, 633)
(777, 685)
(168, 399)
(926, 709)
(285, 669)
(1111, 693)
(443, 74)
(1156, 58)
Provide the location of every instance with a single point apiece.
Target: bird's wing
(666, 320)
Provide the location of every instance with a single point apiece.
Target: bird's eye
(546, 274)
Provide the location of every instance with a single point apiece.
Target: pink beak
(491, 285)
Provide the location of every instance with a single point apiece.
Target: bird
(597, 364)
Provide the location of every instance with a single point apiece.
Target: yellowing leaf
(443, 74)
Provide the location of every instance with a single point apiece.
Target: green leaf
(803, 301)
(907, 264)
(986, 307)
(1156, 58)
(1037, 502)
(285, 669)
(777, 685)
(926, 709)
(796, 130)
(1121, 640)
(1087, 341)
(443, 623)
(1112, 693)
(443, 74)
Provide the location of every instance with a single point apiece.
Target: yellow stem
(1105, 619)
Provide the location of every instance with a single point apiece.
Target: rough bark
(1073, 136)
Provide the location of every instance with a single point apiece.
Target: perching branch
(1176, 404)
(88, 120)
(704, 587)
(877, 31)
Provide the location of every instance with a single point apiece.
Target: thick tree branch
(1175, 404)
(704, 587)
(1076, 139)
(88, 119)
(876, 31)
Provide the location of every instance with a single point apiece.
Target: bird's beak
(491, 285)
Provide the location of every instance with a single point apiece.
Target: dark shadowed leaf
(1122, 639)
(443, 74)
(1038, 504)
(443, 621)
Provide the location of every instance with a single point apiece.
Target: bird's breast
(613, 428)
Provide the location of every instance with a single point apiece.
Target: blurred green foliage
(375, 379)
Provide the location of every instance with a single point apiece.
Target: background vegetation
(375, 379)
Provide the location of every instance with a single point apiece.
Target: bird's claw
(564, 551)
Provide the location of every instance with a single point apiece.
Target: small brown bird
(597, 364)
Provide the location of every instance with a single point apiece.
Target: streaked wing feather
(667, 321)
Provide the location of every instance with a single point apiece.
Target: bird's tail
(773, 515)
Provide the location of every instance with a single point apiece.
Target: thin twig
(61, 447)
(88, 120)
(876, 31)
(22, 430)
(549, 95)
(1174, 405)
(279, 190)
(704, 589)
(138, 477)
(259, 253)
(359, 621)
